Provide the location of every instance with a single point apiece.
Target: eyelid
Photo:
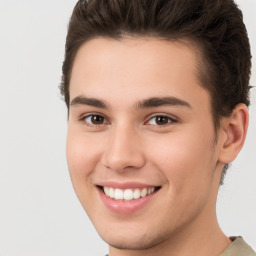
(84, 116)
(148, 118)
(171, 118)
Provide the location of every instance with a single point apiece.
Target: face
(141, 142)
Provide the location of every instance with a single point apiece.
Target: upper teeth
(127, 194)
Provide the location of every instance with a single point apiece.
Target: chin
(132, 244)
(133, 240)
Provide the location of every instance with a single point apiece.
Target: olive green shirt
(238, 248)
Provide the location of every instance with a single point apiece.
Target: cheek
(186, 160)
(187, 165)
(82, 157)
(82, 154)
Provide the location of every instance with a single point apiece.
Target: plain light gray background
(39, 212)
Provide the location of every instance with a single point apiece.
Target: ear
(233, 130)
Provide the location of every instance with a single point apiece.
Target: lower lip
(125, 207)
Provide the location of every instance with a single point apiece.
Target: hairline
(202, 66)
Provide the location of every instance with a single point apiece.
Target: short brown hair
(215, 27)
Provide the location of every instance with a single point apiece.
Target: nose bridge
(123, 149)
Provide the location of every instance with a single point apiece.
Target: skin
(184, 154)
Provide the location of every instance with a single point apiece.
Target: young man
(157, 94)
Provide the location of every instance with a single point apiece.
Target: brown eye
(160, 120)
(95, 119)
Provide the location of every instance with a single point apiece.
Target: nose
(123, 150)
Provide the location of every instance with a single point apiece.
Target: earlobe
(234, 128)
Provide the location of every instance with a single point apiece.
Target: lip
(121, 206)
(126, 185)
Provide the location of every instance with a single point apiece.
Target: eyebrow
(82, 100)
(147, 103)
(163, 101)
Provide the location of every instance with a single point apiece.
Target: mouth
(129, 194)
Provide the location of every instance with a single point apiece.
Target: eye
(94, 120)
(161, 120)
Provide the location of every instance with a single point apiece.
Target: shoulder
(238, 248)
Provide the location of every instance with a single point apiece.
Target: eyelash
(170, 120)
(83, 119)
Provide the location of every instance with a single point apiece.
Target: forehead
(149, 66)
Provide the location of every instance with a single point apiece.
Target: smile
(127, 198)
(128, 194)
